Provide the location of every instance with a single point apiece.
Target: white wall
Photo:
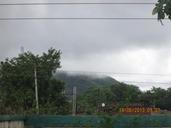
(12, 124)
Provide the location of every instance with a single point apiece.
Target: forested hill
(84, 81)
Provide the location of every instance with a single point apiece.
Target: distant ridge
(83, 81)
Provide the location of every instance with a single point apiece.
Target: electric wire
(77, 18)
(115, 73)
(79, 3)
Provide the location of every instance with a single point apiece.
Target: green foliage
(163, 9)
(17, 89)
(157, 97)
(124, 93)
(121, 95)
(90, 102)
(147, 98)
(167, 99)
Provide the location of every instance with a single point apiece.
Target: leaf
(155, 11)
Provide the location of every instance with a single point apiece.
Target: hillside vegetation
(84, 81)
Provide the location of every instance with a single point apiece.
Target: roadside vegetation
(17, 89)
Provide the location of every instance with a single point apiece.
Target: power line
(116, 73)
(134, 82)
(140, 82)
(77, 18)
(79, 3)
(91, 72)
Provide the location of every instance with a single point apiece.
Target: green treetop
(17, 88)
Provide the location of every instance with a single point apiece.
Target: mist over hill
(83, 81)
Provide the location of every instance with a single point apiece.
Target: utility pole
(36, 90)
(74, 106)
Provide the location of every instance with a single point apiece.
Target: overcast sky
(120, 46)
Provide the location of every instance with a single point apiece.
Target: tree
(112, 96)
(120, 95)
(163, 9)
(159, 95)
(167, 100)
(147, 98)
(17, 89)
(91, 100)
(125, 93)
